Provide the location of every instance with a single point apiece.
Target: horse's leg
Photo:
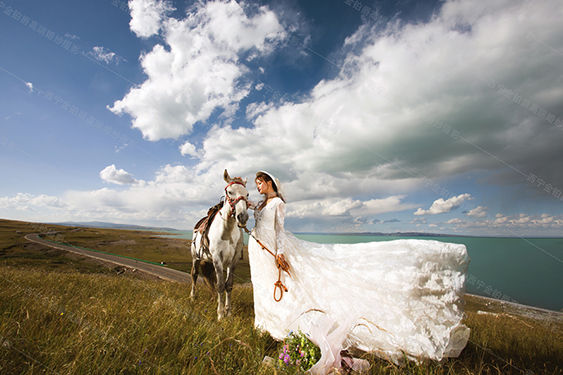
(194, 277)
(194, 271)
(220, 287)
(229, 289)
(208, 271)
(230, 276)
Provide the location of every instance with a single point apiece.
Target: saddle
(203, 225)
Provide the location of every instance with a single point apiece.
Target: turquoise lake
(523, 270)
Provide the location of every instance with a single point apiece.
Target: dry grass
(67, 315)
(142, 245)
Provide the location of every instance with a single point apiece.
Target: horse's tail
(208, 272)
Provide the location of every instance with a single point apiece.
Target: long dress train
(394, 298)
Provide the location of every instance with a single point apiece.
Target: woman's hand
(282, 263)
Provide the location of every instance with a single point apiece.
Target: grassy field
(136, 244)
(61, 313)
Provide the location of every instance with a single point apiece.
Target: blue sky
(427, 116)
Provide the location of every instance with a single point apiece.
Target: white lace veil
(281, 192)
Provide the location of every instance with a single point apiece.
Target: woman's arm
(281, 237)
(279, 227)
(252, 205)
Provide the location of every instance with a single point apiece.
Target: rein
(233, 202)
(280, 263)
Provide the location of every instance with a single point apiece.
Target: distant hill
(101, 224)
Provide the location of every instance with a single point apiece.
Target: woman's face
(263, 186)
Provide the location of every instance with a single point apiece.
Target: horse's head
(236, 196)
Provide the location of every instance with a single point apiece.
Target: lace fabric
(403, 296)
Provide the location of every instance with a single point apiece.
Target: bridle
(233, 202)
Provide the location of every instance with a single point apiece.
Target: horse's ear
(226, 176)
(245, 181)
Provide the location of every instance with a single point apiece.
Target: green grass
(65, 314)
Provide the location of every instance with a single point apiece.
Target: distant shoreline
(415, 234)
(106, 225)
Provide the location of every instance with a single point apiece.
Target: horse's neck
(227, 222)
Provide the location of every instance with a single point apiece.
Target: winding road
(153, 269)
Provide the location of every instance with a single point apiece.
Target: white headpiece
(281, 192)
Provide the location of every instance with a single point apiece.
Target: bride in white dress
(393, 298)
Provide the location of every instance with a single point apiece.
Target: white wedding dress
(394, 298)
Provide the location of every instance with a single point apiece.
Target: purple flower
(286, 359)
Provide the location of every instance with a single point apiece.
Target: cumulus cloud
(405, 108)
(478, 212)
(117, 176)
(199, 71)
(476, 89)
(189, 149)
(441, 206)
(455, 221)
(29, 86)
(175, 195)
(346, 207)
(24, 202)
(147, 16)
(510, 225)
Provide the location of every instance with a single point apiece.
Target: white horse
(225, 244)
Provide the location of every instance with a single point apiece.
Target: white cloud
(441, 206)
(500, 219)
(200, 71)
(478, 212)
(147, 16)
(102, 54)
(189, 149)
(369, 122)
(176, 195)
(117, 176)
(362, 133)
(24, 202)
(29, 86)
(318, 208)
(511, 225)
(341, 207)
(419, 221)
(521, 219)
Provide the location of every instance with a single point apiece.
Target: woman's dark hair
(266, 178)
